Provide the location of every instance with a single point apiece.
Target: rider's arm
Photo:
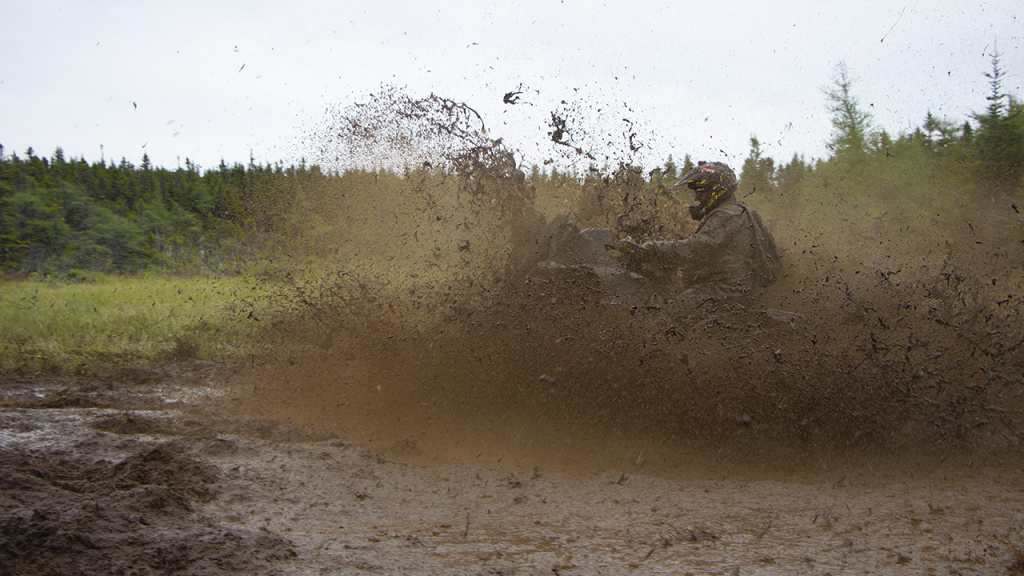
(713, 232)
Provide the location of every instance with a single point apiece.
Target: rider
(730, 253)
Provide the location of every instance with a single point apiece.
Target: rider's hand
(633, 254)
(628, 247)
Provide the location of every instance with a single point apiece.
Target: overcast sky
(219, 80)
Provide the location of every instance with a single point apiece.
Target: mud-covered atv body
(562, 245)
(635, 277)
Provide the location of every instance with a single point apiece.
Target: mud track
(154, 474)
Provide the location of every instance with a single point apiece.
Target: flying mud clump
(435, 190)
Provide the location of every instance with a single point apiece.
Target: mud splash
(438, 339)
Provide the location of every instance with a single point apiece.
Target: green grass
(70, 329)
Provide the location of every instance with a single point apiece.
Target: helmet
(715, 178)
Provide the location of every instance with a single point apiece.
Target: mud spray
(422, 326)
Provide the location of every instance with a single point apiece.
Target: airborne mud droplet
(450, 314)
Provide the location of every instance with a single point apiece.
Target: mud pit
(135, 477)
(431, 401)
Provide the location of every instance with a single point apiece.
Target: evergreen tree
(790, 176)
(851, 126)
(758, 172)
(671, 170)
(688, 164)
(1000, 136)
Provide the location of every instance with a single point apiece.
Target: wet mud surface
(159, 475)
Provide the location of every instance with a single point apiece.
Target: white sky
(223, 79)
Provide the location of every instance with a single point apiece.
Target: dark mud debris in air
(513, 96)
(560, 135)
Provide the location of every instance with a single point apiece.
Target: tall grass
(58, 328)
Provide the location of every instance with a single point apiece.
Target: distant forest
(69, 218)
(66, 216)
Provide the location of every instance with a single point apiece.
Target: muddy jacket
(731, 251)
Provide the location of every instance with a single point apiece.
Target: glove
(628, 246)
(633, 255)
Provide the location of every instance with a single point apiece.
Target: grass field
(67, 329)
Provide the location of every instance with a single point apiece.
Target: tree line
(68, 217)
(980, 159)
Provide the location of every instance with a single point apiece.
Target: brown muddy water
(157, 476)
